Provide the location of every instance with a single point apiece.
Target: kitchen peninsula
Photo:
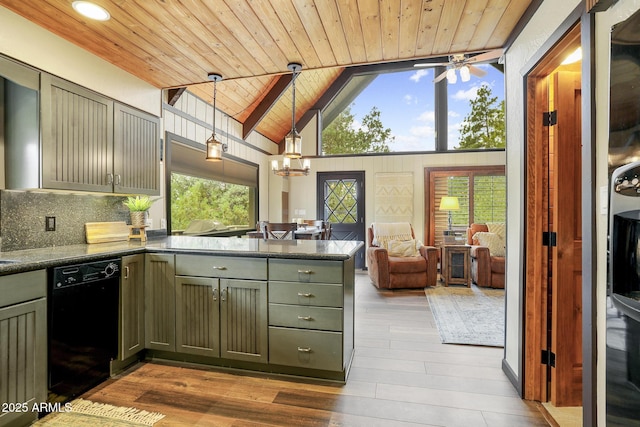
(279, 307)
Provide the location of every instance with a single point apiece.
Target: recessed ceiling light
(91, 10)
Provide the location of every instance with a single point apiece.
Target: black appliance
(623, 299)
(83, 326)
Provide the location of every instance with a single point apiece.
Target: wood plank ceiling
(176, 43)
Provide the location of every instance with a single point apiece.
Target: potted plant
(138, 207)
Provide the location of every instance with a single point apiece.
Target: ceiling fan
(464, 64)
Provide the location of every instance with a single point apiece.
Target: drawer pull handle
(126, 272)
(305, 271)
(305, 318)
(304, 350)
(307, 295)
(219, 268)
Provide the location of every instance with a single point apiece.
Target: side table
(455, 263)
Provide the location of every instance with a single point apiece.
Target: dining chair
(280, 230)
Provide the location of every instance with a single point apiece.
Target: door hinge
(548, 358)
(548, 238)
(550, 118)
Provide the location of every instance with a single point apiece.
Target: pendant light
(215, 148)
(292, 141)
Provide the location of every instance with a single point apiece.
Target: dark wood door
(341, 202)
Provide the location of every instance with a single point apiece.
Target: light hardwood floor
(402, 375)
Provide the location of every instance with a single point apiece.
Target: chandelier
(293, 140)
(215, 148)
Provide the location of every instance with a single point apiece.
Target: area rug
(473, 316)
(84, 413)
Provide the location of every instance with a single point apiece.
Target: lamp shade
(449, 203)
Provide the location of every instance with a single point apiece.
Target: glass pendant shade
(215, 149)
(465, 74)
(451, 76)
(293, 145)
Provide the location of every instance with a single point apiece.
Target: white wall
(33, 45)
(302, 190)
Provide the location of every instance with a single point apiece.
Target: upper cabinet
(91, 143)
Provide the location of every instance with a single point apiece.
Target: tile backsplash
(22, 217)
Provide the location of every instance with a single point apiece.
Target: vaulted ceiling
(174, 44)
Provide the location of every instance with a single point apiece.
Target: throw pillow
(403, 248)
(500, 228)
(492, 241)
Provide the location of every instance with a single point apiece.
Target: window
(481, 193)
(227, 206)
(222, 195)
(396, 112)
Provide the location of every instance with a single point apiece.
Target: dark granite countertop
(34, 259)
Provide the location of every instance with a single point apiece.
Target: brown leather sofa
(486, 270)
(392, 272)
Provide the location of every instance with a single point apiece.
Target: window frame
(430, 176)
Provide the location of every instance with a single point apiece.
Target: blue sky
(406, 104)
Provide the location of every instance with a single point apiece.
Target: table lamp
(449, 203)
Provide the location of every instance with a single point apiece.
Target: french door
(341, 202)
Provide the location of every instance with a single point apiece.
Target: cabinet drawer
(306, 349)
(306, 271)
(325, 295)
(221, 266)
(305, 317)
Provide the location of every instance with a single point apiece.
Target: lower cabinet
(221, 316)
(160, 302)
(292, 316)
(131, 306)
(198, 315)
(311, 314)
(23, 346)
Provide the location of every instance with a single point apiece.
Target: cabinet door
(23, 359)
(160, 309)
(77, 137)
(136, 162)
(132, 305)
(198, 316)
(243, 320)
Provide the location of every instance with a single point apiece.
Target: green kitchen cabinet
(23, 346)
(91, 143)
(131, 306)
(227, 296)
(160, 307)
(243, 320)
(198, 315)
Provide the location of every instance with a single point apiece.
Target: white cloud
(466, 95)
(428, 116)
(453, 114)
(419, 75)
(410, 99)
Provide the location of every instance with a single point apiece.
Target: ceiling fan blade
(432, 64)
(478, 72)
(487, 56)
(440, 77)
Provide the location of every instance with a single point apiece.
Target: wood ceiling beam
(266, 104)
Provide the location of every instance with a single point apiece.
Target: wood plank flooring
(401, 376)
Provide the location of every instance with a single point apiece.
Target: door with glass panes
(341, 202)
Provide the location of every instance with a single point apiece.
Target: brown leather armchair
(486, 270)
(393, 272)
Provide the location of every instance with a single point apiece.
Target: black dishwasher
(83, 326)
